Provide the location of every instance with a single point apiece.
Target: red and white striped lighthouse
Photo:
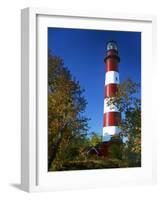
(111, 113)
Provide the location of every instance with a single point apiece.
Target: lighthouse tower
(111, 113)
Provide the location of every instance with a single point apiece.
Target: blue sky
(83, 52)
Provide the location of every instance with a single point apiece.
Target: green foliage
(97, 163)
(129, 105)
(95, 139)
(67, 127)
(115, 151)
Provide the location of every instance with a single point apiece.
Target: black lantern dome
(112, 45)
(112, 50)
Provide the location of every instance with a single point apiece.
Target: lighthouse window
(116, 79)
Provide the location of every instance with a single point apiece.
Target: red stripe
(111, 90)
(111, 64)
(111, 119)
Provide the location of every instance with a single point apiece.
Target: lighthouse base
(111, 148)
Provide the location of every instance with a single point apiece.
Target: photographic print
(94, 99)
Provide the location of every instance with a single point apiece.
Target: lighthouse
(111, 116)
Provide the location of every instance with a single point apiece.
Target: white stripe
(109, 108)
(112, 77)
(111, 130)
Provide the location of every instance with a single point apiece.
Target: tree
(95, 139)
(129, 104)
(66, 104)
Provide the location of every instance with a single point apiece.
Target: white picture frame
(34, 176)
